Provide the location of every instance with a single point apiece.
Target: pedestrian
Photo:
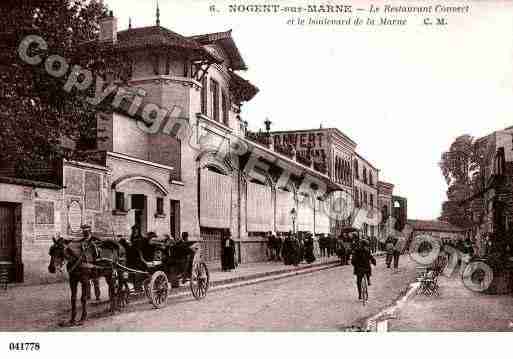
(286, 250)
(301, 248)
(270, 246)
(361, 261)
(347, 249)
(279, 247)
(341, 251)
(228, 253)
(309, 248)
(321, 245)
(389, 248)
(398, 250)
(186, 256)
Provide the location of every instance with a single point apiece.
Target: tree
(35, 111)
(464, 170)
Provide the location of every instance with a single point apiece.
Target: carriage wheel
(200, 280)
(158, 289)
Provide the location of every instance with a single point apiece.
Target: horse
(85, 261)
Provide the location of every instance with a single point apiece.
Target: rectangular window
(226, 108)
(214, 89)
(160, 205)
(204, 96)
(371, 200)
(120, 201)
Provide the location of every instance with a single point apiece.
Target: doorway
(7, 244)
(139, 205)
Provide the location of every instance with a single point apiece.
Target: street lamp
(293, 215)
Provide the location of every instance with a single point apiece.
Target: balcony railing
(259, 137)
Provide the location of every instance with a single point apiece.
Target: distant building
(385, 205)
(436, 229)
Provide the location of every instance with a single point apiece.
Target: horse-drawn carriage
(148, 267)
(158, 267)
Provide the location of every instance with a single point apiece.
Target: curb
(371, 324)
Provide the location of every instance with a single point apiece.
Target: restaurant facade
(197, 170)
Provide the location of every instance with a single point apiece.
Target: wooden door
(6, 232)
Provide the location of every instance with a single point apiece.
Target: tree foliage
(35, 111)
(464, 169)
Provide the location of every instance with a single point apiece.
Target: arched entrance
(143, 199)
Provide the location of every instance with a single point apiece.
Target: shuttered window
(284, 205)
(215, 199)
(305, 214)
(260, 211)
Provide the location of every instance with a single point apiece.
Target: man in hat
(89, 240)
(361, 261)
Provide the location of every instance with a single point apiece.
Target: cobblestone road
(324, 300)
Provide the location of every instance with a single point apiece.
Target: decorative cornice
(211, 123)
(137, 160)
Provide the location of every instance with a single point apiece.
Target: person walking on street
(361, 261)
(398, 250)
(389, 248)
(322, 245)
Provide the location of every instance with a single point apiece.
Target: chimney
(109, 28)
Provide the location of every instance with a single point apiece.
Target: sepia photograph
(227, 166)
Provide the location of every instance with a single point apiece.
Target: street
(323, 300)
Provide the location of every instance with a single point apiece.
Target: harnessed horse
(85, 261)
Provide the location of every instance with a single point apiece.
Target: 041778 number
(24, 346)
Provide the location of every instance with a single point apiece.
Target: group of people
(291, 248)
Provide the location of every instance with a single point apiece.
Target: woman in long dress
(228, 253)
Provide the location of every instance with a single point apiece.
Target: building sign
(303, 141)
(44, 212)
(92, 191)
(75, 216)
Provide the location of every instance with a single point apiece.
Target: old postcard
(288, 166)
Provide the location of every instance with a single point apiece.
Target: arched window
(370, 179)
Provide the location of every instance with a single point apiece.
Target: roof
(158, 37)
(385, 184)
(433, 226)
(366, 161)
(225, 40)
(28, 183)
(244, 89)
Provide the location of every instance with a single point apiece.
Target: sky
(402, 93)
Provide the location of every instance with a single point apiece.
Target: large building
(366, 195)
(176, 156)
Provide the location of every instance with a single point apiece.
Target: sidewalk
(37, 307)
(456, 309)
